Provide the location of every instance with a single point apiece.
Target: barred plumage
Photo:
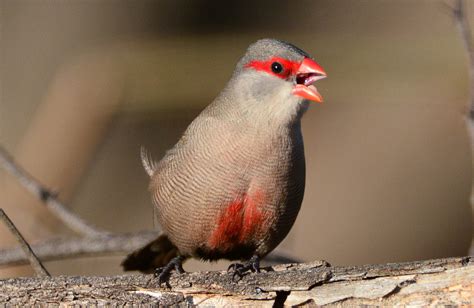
(233, 184)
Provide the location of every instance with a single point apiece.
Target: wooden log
(432, 282)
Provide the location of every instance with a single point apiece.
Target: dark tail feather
(155, 254)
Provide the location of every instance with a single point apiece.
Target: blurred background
(84, 84)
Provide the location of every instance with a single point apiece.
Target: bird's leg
(239, 269)
(163, 273)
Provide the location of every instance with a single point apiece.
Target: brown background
(85, 83)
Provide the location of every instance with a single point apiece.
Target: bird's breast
(238, 221)
(239, 226)
(234, 198)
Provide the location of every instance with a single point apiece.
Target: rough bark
(432, 282)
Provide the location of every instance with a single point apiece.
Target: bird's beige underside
(194, 183)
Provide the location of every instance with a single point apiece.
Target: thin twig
(32, 258)
(63, 248)
(110, 244)
(49, 198)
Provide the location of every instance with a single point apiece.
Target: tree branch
(433, 282)
(109, 244)
(62, 248)
(32, 258)
(49, 198)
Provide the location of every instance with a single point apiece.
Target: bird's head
(277, 76)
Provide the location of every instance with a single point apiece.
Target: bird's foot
(163, 273)
(240, 269)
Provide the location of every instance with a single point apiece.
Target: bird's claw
(234, 266)
(163, 274)
(240, 269)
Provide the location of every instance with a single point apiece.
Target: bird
(232, 186)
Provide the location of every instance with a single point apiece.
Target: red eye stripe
(289, 67)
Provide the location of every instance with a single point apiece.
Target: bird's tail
(155, 254)
(148, 162)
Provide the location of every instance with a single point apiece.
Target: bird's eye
(277, 68)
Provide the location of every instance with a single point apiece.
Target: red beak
(308, 73)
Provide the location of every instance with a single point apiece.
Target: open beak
(308, 73)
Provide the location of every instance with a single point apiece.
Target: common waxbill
(232, 186)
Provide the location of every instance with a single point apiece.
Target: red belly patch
(238, 222)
